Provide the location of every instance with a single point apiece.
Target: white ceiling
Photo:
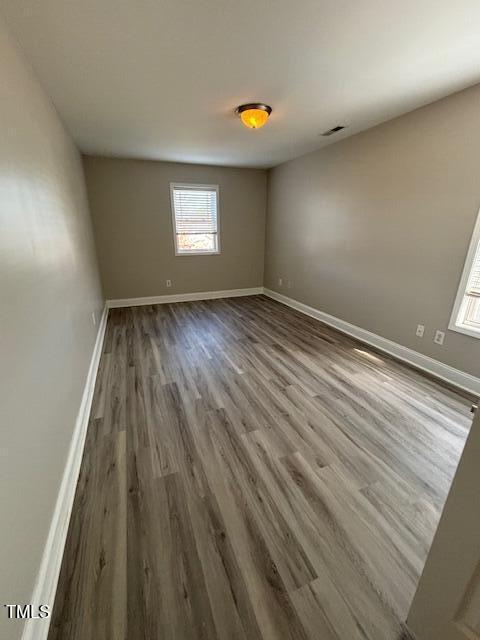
(161, 78)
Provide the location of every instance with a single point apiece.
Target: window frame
(198, 187)
(461, 300)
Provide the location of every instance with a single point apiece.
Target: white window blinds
(473, 286)
(466, 310)
(195, 218)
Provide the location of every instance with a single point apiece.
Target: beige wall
(446, 605)
(374, 229)
(48, 289)
(130, 204)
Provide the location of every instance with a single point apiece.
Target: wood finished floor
(251, 474)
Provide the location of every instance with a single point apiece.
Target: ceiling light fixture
(254, 115)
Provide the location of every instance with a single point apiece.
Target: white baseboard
(453, 376)
(184, 297)
(47, 579)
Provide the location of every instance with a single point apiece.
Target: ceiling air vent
(330, 132)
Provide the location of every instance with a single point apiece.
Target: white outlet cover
(439, 336)
(420, 330)
(280, 282)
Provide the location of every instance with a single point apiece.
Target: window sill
(465, 329)
(197, 253)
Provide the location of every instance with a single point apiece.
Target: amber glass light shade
(254, 116)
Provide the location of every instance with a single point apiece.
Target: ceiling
(160, 79)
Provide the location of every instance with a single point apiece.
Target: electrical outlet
(420, 330)
(289, 284)
(169, 283)
(439, 336)
(94, 319)
(280, 282)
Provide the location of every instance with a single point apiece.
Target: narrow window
(195, 219)
(466, 311)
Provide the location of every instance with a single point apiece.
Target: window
(195, 219)
(466, 311)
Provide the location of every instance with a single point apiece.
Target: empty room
(240, 320)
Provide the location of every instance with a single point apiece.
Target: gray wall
(130, 204)
(374, 229)
(48, 289)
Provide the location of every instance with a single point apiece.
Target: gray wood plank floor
(251, 474)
